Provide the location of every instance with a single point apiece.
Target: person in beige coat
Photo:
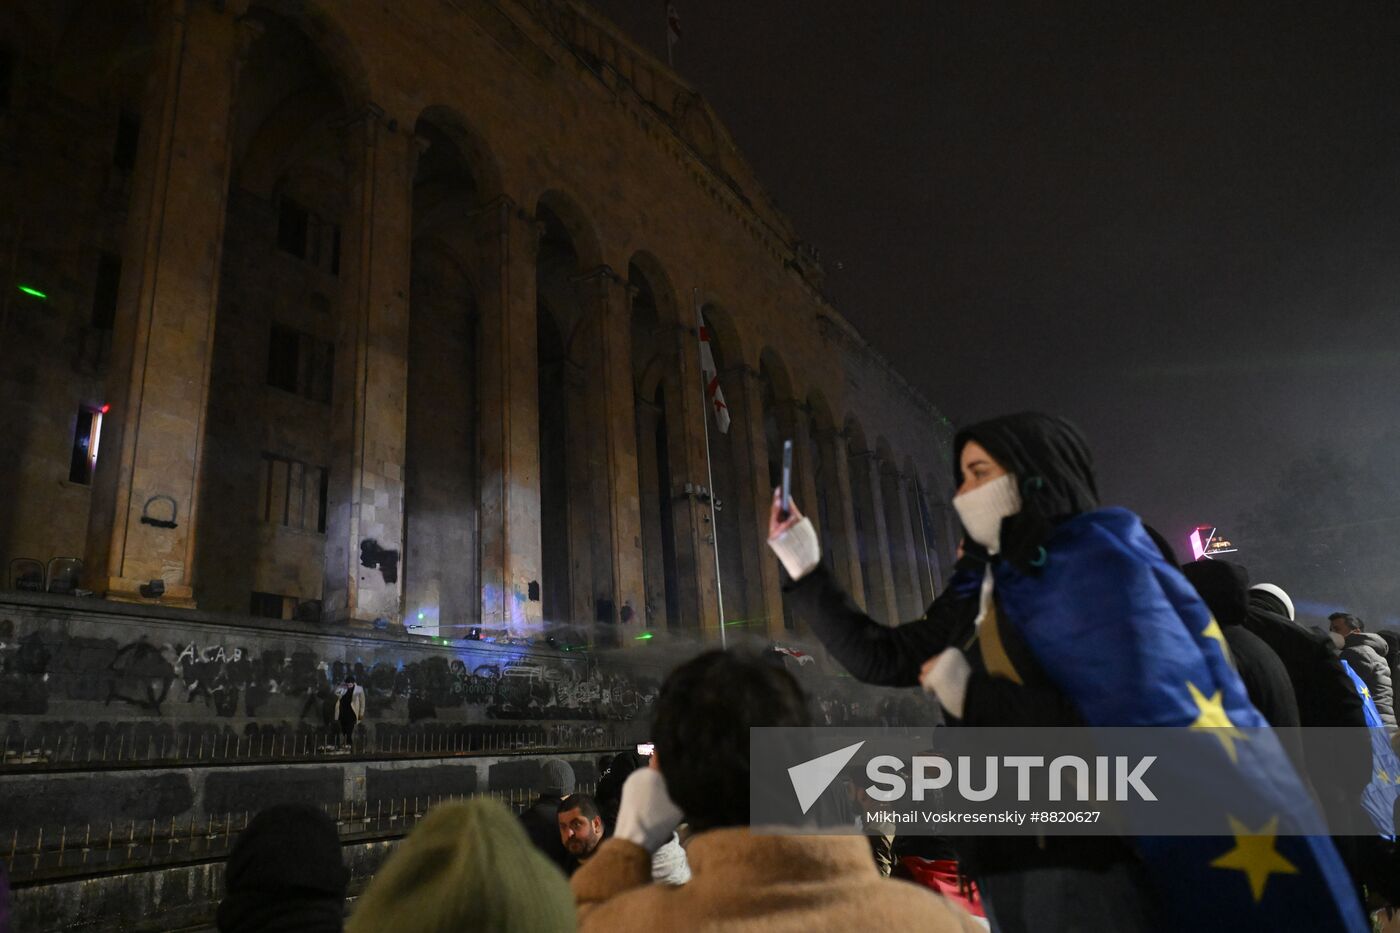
(740, 880)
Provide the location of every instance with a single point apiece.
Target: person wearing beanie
(285, 874)
(467, 866)
(541, 818)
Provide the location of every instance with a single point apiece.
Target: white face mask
(1338, 639)
(983, 509)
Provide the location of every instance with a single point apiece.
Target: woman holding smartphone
(1063, 613)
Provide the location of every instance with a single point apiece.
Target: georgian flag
(711, 373)
(801, 657)
(673, 27)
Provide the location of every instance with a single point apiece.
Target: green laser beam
(34, 292)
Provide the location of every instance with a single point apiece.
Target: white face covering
(1338, 639)
(983, 509)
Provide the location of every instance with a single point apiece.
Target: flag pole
(709, 467)
(930, 557)
(670, 44)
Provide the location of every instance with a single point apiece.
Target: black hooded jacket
(1054, 472)
(286, 873)
(1325, 693)
(1052, 463)
(1225, 588)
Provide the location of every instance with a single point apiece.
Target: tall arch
(653, 358)
(899, 535)
(869, 514)
(442, 485)
(277, 369)
(835, 507)
(782, 421)
(62, 226)
(574, 454)
(925, 537)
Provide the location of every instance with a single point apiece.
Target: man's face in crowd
(579, 834)
(1339, 625)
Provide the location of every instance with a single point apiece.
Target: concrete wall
(164, 899)
(58, 801)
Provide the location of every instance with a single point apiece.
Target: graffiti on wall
(230, 680)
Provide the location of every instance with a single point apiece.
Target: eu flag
(1126, 638)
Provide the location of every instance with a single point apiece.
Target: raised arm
(871, 651)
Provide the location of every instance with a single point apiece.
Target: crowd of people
(1059, 613)
(613, 862)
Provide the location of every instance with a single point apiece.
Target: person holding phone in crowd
(1062, 613)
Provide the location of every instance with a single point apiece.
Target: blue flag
(1125, 637)
(1378, 799)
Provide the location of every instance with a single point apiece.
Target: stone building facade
(355, 311)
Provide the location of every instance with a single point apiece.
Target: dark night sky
(1175, 224)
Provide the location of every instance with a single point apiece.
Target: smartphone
(785, 507)
(646, 749)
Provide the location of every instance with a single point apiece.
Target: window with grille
(293, 494)
(300, 362)
(272, 606)
(104, 294)
(128, 135)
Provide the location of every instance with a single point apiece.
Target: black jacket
(1225, 588)
(541, 823)
(1325, 695)
(892, 656)
(887, 656)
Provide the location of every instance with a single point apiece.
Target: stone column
(589, 557)
(924, 543)
(880, 600)
(365, 520)
(793, 416)
(840, 539)
(762, 577)
(648, 487)
(506, 243)
(904, 554)
(695, 532)
(143, 521)
(607, 296)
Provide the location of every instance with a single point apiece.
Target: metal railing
(269, 746)
(47, 855)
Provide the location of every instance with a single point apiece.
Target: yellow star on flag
(1212, 631)
(1383, 777)
(1255, 855)
(1212, 716)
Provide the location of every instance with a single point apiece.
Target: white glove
(646, 816)
(798, 548)
(947, 680)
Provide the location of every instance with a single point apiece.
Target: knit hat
(285, 873)
(467, 866)
(556, 778)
